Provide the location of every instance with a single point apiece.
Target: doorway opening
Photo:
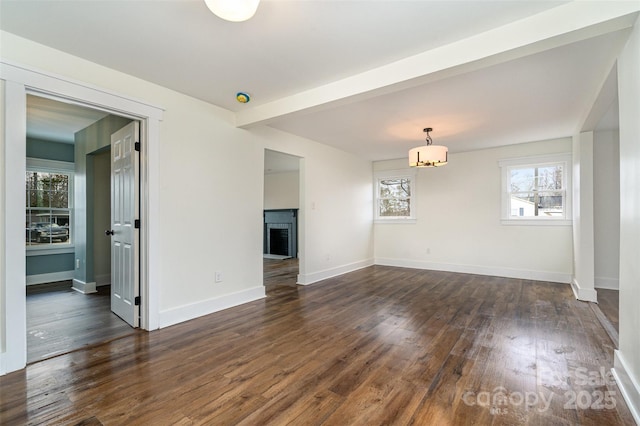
(281, 221)
(21, 81)
(68, 256)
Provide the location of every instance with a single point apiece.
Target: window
(49, 206)
(536, 190)
(395, 196)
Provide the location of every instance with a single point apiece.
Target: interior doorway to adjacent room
(68, 210)
(281, 220)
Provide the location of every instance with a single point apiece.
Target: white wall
(3, 280)
(282, 190)
(458, 221)
(606, 213)
(200, 175)
(627, 357)
(583, 282)
(335, 206)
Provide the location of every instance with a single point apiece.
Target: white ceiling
(543, 94)
(293, 53)
(56, 121)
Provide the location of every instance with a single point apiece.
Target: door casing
(19, 81)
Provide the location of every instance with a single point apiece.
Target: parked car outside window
(44, 232)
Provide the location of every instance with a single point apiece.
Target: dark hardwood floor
(608, 301)
(60, 320)
(278, 273)
(381, 345)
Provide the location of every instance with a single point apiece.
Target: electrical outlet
(77, 263)
(218, 276)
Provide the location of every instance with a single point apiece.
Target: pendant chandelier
(428, 155)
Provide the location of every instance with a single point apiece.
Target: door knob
(109, 232)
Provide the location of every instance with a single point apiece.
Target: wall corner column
(583, 282)
(627, 365)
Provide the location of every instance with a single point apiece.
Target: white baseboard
(103, 279)
(607, 283)
(206, 307)
(13, 360)
(82, 287)
(584, 294)
(49, 278)
(524, 274)
(628, 384)
(314, 277)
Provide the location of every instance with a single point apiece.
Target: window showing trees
(535, 191)
(48, 209)
(395, 198)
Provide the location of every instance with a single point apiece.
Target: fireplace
(278, 239)
(280, 232)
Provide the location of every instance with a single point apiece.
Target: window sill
(44, 251)
(537, 222)
(396, 221)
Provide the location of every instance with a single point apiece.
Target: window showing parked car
(49, 204)
(44, 232)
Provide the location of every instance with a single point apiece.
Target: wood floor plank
(608, 301)
(60, 320)
(378, 346)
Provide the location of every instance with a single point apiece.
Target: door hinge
(136, 223)
(136, 301)
(137, 146)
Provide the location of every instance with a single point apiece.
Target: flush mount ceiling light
(233, 10)
(428, 155)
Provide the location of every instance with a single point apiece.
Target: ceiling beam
(603, 99)
(562, 25)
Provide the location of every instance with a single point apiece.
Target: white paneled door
(124, 233)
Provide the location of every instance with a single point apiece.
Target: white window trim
(399, 174)
(54, 166)
(537, 160)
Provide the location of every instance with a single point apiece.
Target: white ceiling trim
(553, 28)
